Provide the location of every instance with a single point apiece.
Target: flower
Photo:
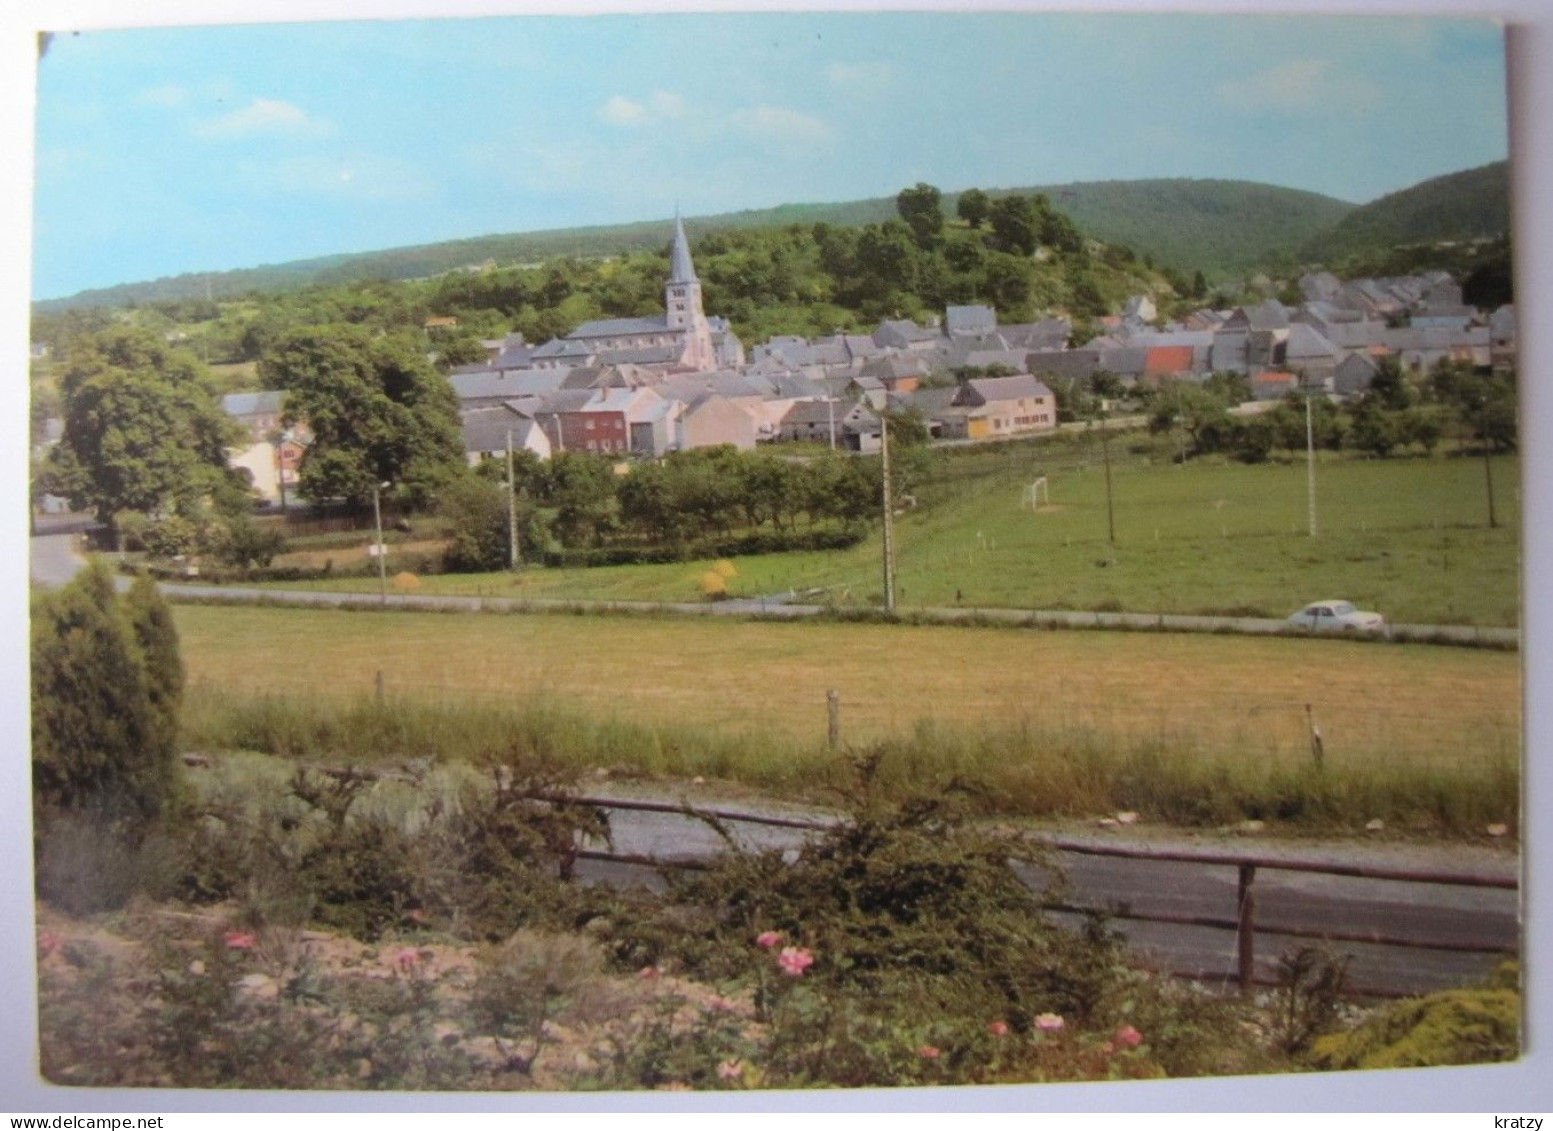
(928, 1052)
(998, 1028)
(239, 940)
(1128, 1037)
(719, 1004)
(794, 961)
(49, 942)
(730, 1070)
(407, 959)
(648, 973)
(768, 939)
(1050, 1022)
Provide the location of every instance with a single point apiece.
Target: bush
(1453, 1027)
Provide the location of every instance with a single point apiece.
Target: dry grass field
(1220, 698)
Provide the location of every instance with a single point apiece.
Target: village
(644, 387)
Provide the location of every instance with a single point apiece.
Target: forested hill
(1222, 228)
(1465, 206)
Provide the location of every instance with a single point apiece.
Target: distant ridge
(1219, 227)
(1470, 205)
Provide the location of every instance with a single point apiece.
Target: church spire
(682, 270)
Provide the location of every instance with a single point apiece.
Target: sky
(169, 150)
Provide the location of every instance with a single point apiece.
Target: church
(681, 340)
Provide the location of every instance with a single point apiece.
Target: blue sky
(163, 151)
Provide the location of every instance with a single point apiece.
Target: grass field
(1406, 537)
(1054, 719)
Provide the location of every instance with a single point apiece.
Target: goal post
(1037, 492)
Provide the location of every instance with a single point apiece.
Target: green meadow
(1407, 537)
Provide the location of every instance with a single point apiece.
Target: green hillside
(1460, 207)
(1219, 227)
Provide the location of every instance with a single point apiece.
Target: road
(1284, 899)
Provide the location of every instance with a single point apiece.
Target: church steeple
(682, 303)
(682, 270)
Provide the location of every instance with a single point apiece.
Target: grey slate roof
(681, 269)
(985, 390)
(969, 320)
(485, 429)
(619, 327)
(267, 403)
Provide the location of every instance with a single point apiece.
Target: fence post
(833, 709)
(379, 685)
(1245, 931)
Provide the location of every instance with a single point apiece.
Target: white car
(1337, 616)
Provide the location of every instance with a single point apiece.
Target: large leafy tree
(972, 207)
(921, 208)
(143, 429)
(1014, 228)
(379, 412)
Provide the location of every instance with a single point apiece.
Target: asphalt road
(1288, 900)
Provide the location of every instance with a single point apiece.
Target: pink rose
(998, 1028)
(928, 1052)
(1049, 1022)
(730, 1070)
(239, 940)
(767, 939)
(794, 961)
(407, 959)
(1128, 1037)
(648, 973)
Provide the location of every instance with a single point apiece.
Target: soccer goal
(1036, 493)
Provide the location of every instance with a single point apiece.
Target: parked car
(1337, 616)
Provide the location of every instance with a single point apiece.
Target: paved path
(1292, 900)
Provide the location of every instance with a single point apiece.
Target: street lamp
(377, 524)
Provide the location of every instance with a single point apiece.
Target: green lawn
(1406, 537)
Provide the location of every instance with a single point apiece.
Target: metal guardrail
(1244, 923)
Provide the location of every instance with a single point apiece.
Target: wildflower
(928, 1052)
(1050, 1022)
(730, 1070)
(648, 973)
(719, 1004)
(998, 1028)
(768, 939)
(794, 961)
(239, 940)
(1128, 1037)
(407, 959)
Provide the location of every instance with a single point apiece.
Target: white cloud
(860, 77)
(622, 111)
(1298, 86)
(780, 125)
(265, 116)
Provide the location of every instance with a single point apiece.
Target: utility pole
(513, 560)
(377, 525)
(1105, 452)
(830, 408)
(1488, 477)
(1310, 464)
(889, 517)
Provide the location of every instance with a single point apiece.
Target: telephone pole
(1310, 464)
(889, 517)
(513, 561)
(1110, 510)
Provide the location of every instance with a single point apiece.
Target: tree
(1389, 386)
(1193, 409)
(920, 207)
(1375, 429)
(143, 430)
(106, 682)
(582, 490)
(973, 206)
(1013, 225)
(377, 409)
(477, 512)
